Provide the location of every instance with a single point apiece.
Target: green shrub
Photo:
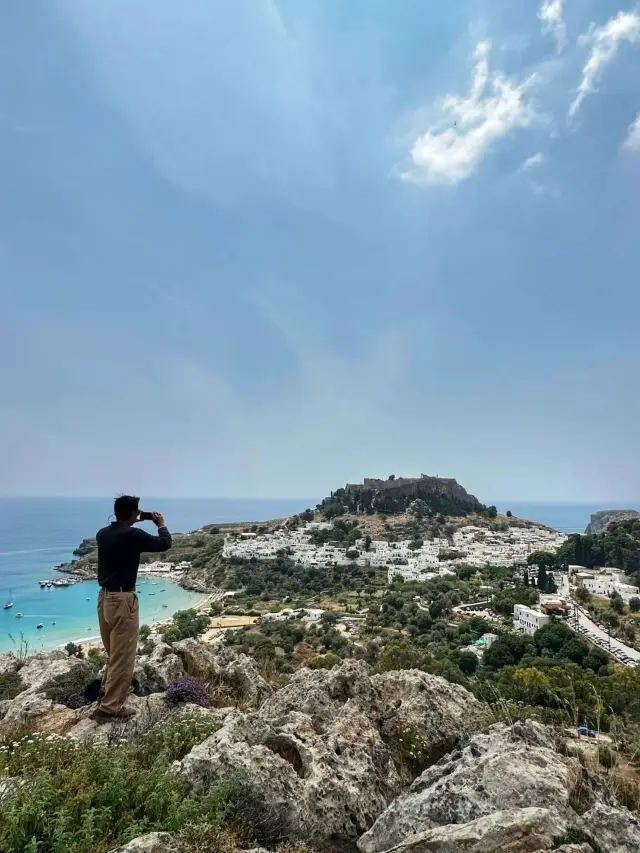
(67, 688)
(10, 685)
(96, 657)
(186, 623)
(96, 797)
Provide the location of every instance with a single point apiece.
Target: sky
(267, 247)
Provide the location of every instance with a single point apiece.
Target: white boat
(165, 605)
(8, 605)
(42, 584)
(152, 593)
(40, 625)
(19, 615)
(163, 590)
(53, 623)
(88, 599)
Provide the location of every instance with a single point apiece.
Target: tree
(367, 542)
(542, 558)
(468, 662)
(401, 654)
(634, 604)
(542, 578)
(551, 587)
(582, 595)
(73, 650)
(509, 514)
(504, 600)
(617, 603)
(525, 578)
(492, 512)
(508, 650)
(392, 477)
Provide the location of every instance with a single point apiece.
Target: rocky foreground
(347, 759)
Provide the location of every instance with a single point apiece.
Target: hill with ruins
(397, 495)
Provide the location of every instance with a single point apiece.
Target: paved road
(586, 624)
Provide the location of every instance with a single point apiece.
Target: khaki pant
(119, 623)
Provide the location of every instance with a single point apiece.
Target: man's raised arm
(155, 544)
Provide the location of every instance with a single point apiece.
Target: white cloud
(604, 43)
(633, 138)
(533, 162)
(553, 22)
(451, 149)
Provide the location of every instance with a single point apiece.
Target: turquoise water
(36, 534)
(73, 609)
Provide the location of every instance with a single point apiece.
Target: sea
(37, 534)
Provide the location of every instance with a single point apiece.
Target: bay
(36, 534)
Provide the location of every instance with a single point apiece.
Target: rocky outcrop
(39, 675)
(232, 678)
(154, 842)
(601, 520)
(316, 754)
(505, 831)
(155, 672)
(508, 788)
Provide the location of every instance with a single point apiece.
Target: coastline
(96, 642)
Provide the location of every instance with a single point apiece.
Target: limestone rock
(506, 831)
(156, 671)
(154, 842)
(504, 770)
(41, 672)
(315, 753)
(8, 787)
(615, 829)
(508, 767)
(8, 664)
(394, 703)
(601, 520)
(234, 677)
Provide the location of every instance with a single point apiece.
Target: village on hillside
(410, 559)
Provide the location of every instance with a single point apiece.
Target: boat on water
(40, 625)
(163, 590)
(154, 583)
(88, 598)
(8, 605)
(165, 605)
(152, 593)
(19, 615)
(53, 623)
(42, 584)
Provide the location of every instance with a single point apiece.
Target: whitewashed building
(528, 620)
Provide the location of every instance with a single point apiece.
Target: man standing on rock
(119, 548)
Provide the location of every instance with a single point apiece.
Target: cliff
(601, 520)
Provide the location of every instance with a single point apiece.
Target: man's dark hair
(125, 506)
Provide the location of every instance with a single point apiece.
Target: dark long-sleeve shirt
(119, 549)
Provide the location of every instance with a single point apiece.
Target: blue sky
(265, 247)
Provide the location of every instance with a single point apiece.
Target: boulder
(315, 754)
(509, 767)
(481, 786)
(233, 677)
(154, 842)
(8, 664)
(615, 829)
(156, 671)
(398, 704)
(505, 831)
